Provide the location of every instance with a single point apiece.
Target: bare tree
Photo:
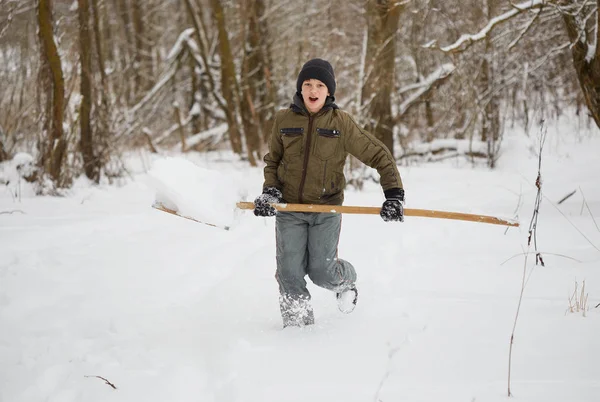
(584, 34)
(52, 143)
(91, 165)
(490, 113)
(382, 20)
(257, 67)
(229, 86)
(142, 56)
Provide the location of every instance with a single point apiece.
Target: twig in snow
(516, 213)
(538, 200)
(566, 197)
(572, 224)
(557, 255)
(102, 378)
(588, 208)
(538, 256)
(12, 212)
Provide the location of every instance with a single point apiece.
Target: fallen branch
(566, 197)
(102, 378)
(12, 212)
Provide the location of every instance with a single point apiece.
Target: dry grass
(578, 300)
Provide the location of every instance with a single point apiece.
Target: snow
(98, 283)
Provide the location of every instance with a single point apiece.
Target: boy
(305, 164)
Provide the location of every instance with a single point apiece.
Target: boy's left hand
(392, 211)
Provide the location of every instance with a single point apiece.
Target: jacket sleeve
(370, 151)
(273, 158)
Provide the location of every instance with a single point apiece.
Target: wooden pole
(425, 213)
(161, 207)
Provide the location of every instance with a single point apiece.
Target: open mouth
(310, 98)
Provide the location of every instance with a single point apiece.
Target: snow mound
(13, 175)
(203, 194)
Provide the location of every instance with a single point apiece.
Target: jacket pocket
(327, 142)
(333, 181)
(292, 139)
(281, 172)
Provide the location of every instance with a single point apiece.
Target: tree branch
(423, 88)
(524, 31)
(465, 41)
(102, 378)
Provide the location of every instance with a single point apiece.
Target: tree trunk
(99, 44)
(490, 119)
(86, 141)
(249, 115)
(107, 30)
(266, 89)
(205, 83)
(142, 51)
(415, 47)
(257, 90)
(124, 52)
(228, 79)
(382, 20)
(196, 105)
(3, 154)
(586, 63)
(53, 148)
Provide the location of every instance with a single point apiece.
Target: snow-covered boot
(347, 299)
(296, 312)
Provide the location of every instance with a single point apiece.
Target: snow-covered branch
(465, 41)
(524, 30)
(424, 87)
(152, 92)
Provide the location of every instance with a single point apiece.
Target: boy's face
(314, 94)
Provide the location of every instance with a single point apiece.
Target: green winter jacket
(307, 154)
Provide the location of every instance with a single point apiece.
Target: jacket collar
(298, 106)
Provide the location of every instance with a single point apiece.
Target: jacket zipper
(306, 156)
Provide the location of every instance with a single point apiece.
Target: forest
(84, 81)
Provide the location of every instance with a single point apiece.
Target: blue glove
(262, 203)
(392, 209)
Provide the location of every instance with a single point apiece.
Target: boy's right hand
(270, 195)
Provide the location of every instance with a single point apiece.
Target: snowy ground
(100, 284)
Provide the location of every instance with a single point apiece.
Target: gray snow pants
(307, 245)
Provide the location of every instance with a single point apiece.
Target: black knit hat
(319, 69)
